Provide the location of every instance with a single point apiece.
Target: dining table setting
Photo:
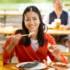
(58, 30)
(51, 29)
(40, 66)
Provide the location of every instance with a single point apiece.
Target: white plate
(37, 67)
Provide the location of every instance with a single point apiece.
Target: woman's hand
(58, 54)
(31, 34)
(11, 42)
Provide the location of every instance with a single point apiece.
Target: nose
(31, 22)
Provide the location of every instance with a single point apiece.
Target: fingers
(31, 34)
(45, 61)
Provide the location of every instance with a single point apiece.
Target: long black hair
(40, 36)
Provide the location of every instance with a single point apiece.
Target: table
(10, 13)
(66, 53)
(10, 67)
(5, 13)
(7, 30)
(58, 32)
(10, 30)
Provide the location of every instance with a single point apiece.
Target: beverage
(58, 23)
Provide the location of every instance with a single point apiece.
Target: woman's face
(32, 21)
(57, 4)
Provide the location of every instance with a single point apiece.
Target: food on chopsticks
(22, 35)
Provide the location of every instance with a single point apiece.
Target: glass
(58, 23)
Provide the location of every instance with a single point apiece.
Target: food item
(60, 64)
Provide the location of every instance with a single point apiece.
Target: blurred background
(11, 14)
(11, 10)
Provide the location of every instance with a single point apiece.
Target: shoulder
(65, 12)
(49, 38)
(52, 13)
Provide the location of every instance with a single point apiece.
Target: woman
(33, 44)
(61, 14)
(58, 13)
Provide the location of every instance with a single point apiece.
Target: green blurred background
(28, 1)
(14, 4)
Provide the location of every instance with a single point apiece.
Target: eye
(27, 20)
(34, 18)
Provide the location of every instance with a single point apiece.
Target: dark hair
(40, 35)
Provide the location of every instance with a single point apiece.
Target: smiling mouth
(32, 27)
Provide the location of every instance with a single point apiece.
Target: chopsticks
(21, 35)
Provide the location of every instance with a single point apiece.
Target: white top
(34, 44)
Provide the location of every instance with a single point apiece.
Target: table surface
(10, 13)
(10, 67)
(58, 32)
(50, 31)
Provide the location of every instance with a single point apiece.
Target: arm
(58, 55)
(8, 49)
(53, 49)
(7, 52)
(51, 17)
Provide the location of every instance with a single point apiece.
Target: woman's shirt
(63, 17)
(30, 53)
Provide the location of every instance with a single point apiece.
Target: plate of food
(31, 65)
(59, 64)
